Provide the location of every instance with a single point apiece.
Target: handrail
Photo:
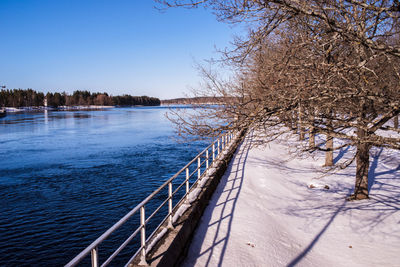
(217, 147)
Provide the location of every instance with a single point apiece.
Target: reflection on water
(67, 176)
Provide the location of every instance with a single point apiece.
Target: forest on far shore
(194, 100)
(31, 98)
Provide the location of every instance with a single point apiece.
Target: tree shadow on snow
(299, 257)
(341, 154)
(231, 187)
(365, 215)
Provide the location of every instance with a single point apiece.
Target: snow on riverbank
(266, 213)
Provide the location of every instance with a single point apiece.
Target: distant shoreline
(90, 107)
(206, 100)
(60, 108)
(65, 108)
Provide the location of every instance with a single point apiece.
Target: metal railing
(215, 149)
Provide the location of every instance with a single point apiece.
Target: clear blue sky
(117, 46)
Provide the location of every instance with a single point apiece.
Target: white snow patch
(211, 171)
(196, 191)
(156, 239)
(181, 210)
(194, 194)
(203, 181)
(264, 213)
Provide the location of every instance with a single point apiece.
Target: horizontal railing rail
(216, 148)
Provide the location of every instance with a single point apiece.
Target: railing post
(198, 167)
(143, 237)
(207, 159)
(170, 224)
(187, 185)
(95, 257)
(224, 137)
(218, 147)
(213, 152)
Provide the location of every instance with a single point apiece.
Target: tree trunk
(329, 141)
(311, 140)
(294, 121)
(396, 122)
(311, 132)
(301, 134)
(329, 152)
(287, 121)
(301, 126)
(362, 160)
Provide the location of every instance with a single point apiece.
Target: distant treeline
(31, 98)
(194, 100)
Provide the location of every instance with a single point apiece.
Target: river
(67, 176)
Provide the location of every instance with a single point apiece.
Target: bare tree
(337, 60)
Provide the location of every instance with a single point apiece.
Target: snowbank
(274, 209)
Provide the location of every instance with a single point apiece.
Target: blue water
(67, 176)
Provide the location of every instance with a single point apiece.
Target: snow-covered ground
(266, 213)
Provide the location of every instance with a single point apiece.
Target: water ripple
(67, 177)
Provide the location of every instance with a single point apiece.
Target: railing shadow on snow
(224, 201)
